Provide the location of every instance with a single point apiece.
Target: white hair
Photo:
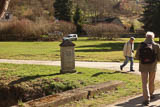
(132, 38)
(150, 33)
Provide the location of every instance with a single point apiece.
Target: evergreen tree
(63, 10)
(132, 29)
(77, 16)
(151, 16)
(78, 20)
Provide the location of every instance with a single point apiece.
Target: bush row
(44, 30)
(26, 30)
(104, 31)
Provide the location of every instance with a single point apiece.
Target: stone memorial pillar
(67, 57)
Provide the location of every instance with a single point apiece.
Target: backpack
(147, 54)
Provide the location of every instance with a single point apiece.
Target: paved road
(129, 102)
(100, 65)
(136, 101)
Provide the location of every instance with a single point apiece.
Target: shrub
(57, 30)
(27, 30)
(18, 30)
(103, 31)
(66, 27)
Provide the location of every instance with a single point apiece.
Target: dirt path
(129, 102)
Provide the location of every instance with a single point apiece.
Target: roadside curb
(73, 95)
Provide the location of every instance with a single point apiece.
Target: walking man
(128, 52)
(148, 53)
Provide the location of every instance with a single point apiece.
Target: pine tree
(151, 16)
(63, 10)
(132, 29)
(78, 20)
(77, 16)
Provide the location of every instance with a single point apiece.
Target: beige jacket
(128, 49)
(149, 67)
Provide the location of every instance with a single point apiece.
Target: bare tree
(3, 7)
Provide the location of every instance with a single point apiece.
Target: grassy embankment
(33, 81)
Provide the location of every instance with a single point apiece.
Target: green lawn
(85, 50)
(37, 80)
(32, 80)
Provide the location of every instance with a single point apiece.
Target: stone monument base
(67, 71)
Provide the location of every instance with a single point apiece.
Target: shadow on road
(137, 102)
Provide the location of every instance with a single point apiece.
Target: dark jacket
(149, 67)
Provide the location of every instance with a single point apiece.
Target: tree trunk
(3, 7)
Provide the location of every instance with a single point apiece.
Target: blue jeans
(126, 62)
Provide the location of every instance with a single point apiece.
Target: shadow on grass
(137, 102)
(104, 47)
(27, 78)
(101, 73)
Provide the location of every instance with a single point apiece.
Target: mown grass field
(85, 50)
(32, 81)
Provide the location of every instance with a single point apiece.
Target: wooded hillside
(90, 8)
